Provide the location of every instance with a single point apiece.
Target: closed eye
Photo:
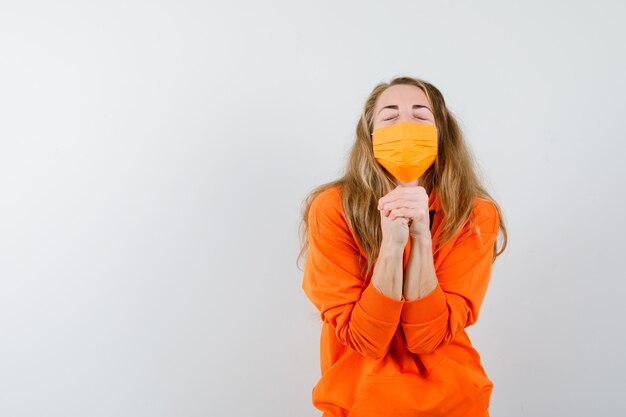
(417, 117)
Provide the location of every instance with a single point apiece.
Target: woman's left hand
(411, 203)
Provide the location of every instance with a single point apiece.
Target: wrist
(391, 247)
(424, 241)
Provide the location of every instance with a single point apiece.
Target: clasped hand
(404, 210)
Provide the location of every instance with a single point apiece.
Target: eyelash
(421, 118)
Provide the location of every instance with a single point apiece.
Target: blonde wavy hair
(453, 175)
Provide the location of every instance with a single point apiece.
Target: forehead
(402, 95)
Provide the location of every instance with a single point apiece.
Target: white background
(153, 160)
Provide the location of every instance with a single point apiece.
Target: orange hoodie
(386, 357)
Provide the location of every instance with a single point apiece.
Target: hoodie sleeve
(362, 319)
(433, 320)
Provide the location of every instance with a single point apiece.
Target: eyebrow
(395, 106)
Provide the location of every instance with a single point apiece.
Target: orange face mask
(405, 149)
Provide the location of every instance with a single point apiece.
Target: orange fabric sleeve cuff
(425, 309)
(380, 306)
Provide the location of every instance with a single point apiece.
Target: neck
(413, 183)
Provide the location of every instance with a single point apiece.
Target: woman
(399, 256)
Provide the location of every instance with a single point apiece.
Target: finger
(390, 195)
(395, 213)
(401, 212)
(413, 192)
(414, 214)
(412, 201)
(398, 217)
(404, 202)
(397, 197)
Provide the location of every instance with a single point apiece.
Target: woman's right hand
(395, 232)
